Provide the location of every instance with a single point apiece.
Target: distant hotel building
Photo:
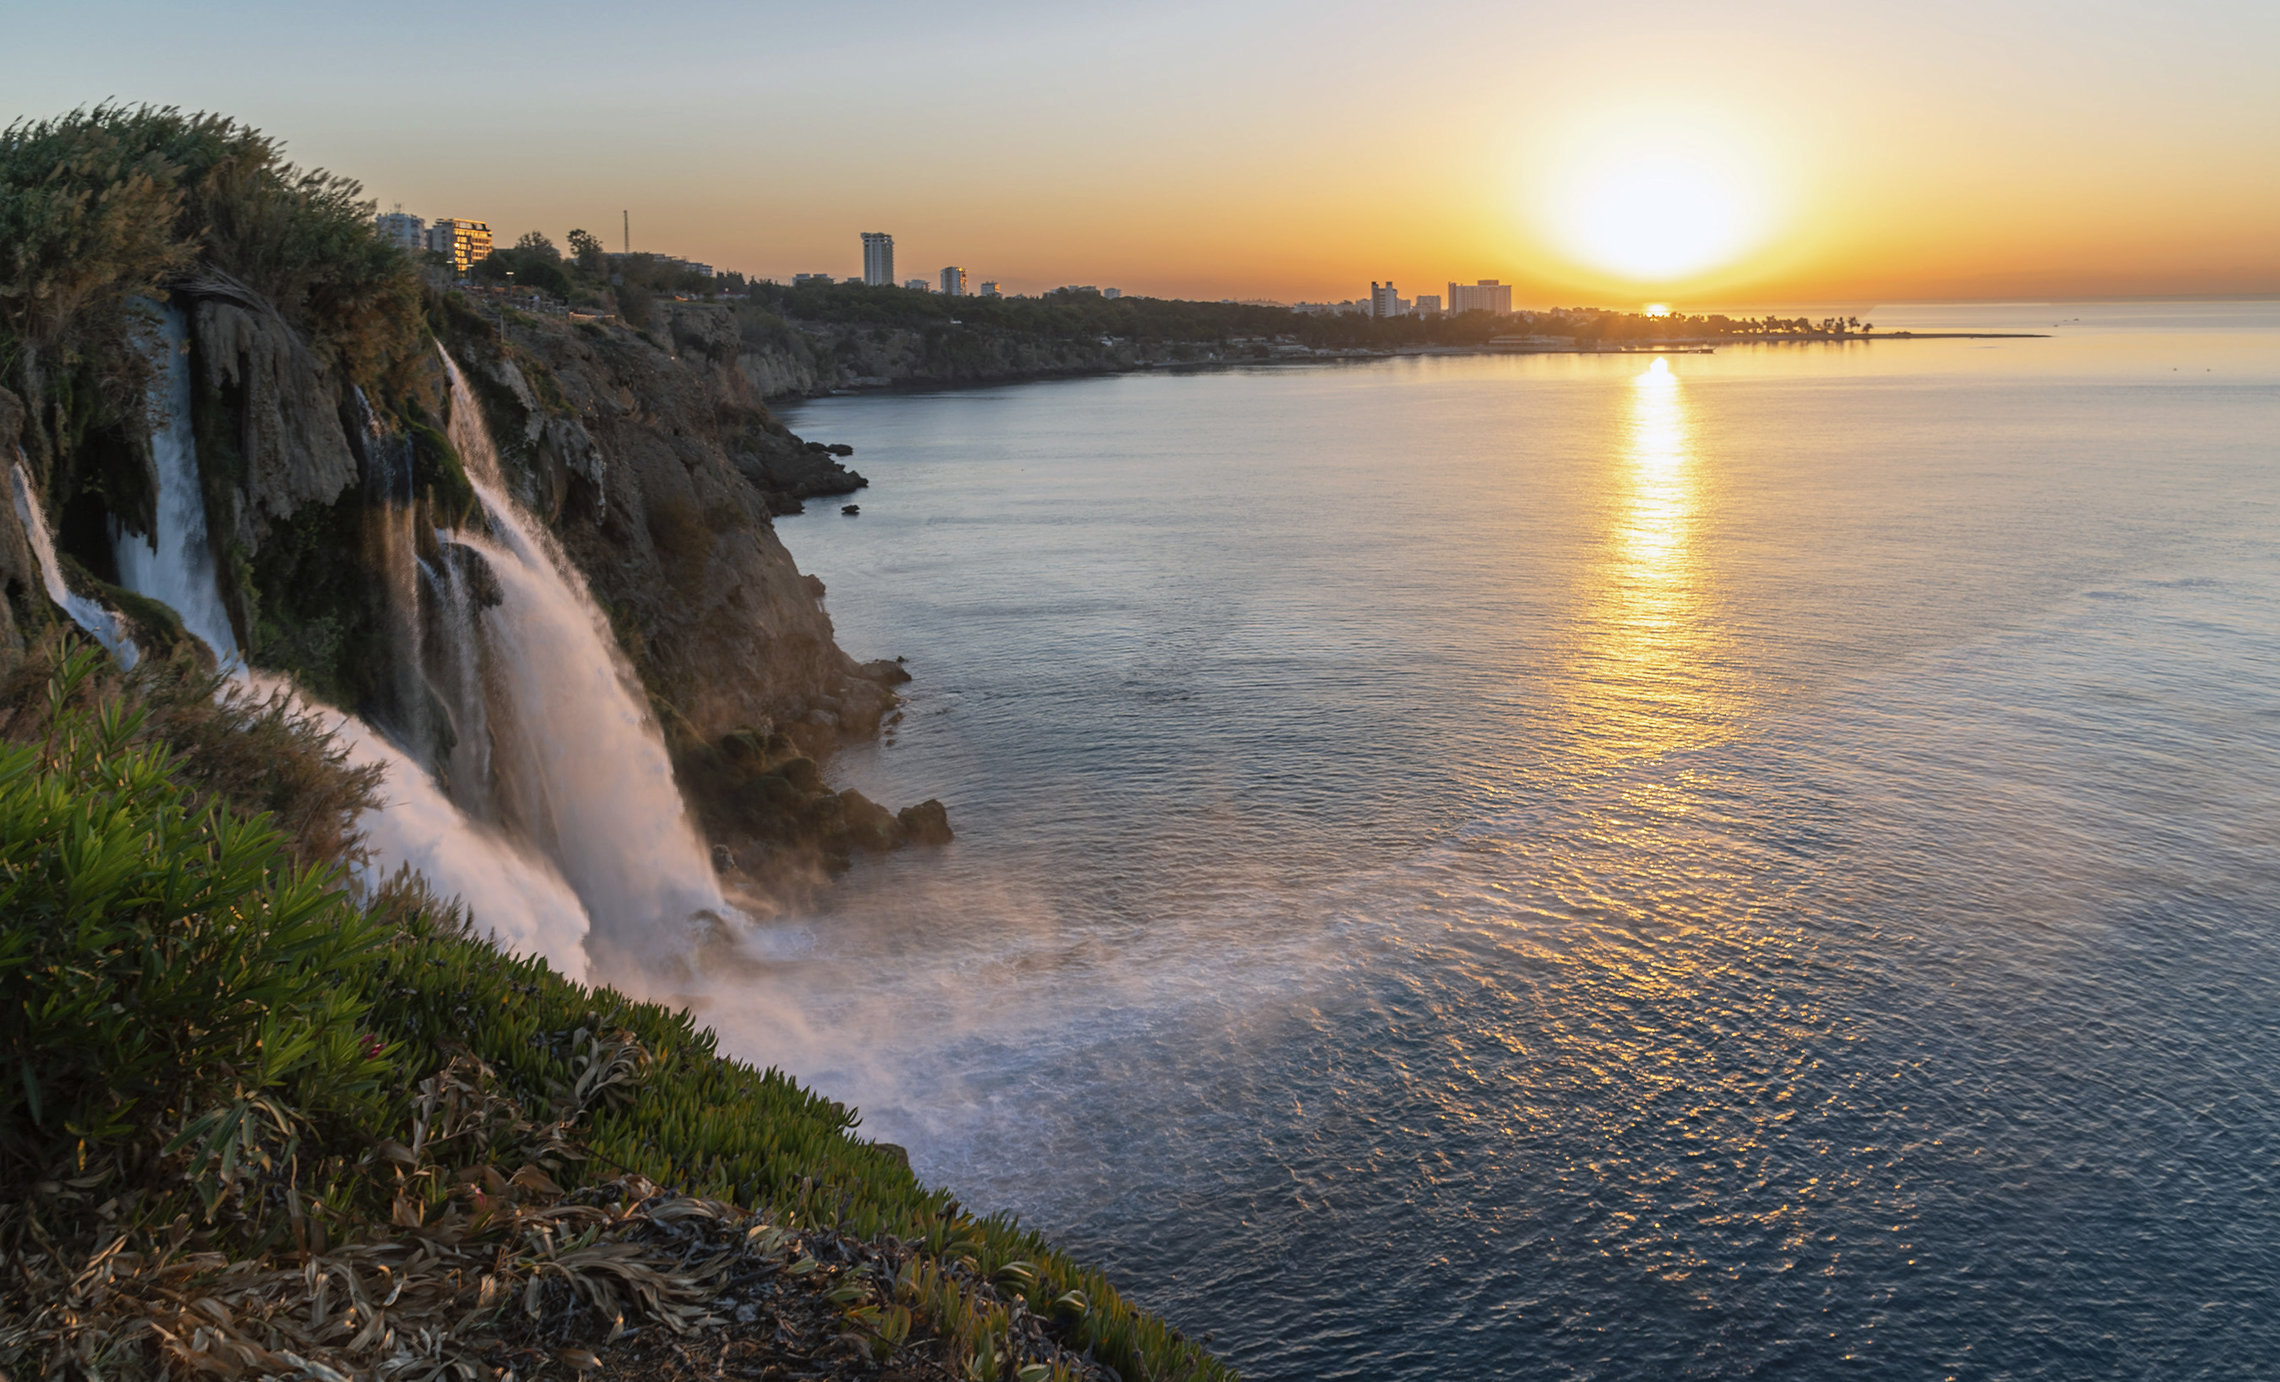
(467, 242)
(954, 282)
(405, 231)
(878, 258)
(1488, 295)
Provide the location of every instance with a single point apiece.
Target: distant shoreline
(1685, 345)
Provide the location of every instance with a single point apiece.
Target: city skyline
(2041, 150)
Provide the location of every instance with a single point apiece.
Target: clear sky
(1609, 151)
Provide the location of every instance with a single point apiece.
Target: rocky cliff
(780, 359)
(321, 413)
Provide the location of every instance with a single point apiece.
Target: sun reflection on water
(1647, 678)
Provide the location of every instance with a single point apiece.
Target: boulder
(927, 823)
(868, 824)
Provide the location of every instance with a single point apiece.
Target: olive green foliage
(251, 752)
(532, 262)
(87, 219)
(182, 999)
(114, 202)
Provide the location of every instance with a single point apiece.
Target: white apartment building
(1112, 292)
(403, 229)
(990, 288)
(1488, 295)
(1384, 301)
(878, 258)
(954, 282)
(1428, 305)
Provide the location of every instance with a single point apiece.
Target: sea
(1751, 864)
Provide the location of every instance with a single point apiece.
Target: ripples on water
(1749, 864)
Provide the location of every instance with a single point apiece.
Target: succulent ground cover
(261, 1125)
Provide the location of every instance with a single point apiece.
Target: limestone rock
(291, 438)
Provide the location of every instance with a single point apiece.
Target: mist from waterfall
(175, 563)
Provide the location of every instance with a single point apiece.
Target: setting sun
(1655, 199)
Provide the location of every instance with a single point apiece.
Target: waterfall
(508, 889)
(175, 564)
(581, 768)
(454, 660)
(593, 853)
(392, 552)
(86, 613)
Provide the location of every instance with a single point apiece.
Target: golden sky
(1613, 153)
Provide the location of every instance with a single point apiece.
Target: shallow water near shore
(1757, 863)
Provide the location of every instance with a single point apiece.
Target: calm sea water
(1760, 864)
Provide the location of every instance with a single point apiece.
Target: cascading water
(175, 564)
(549, 730)
(392, 550)
(86, 613)
(508, 889)
(581, 768)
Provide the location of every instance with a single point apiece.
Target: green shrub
(183, 1000)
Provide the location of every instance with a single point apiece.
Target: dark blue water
(1766, 864)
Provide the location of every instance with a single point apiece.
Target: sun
(1652, 200)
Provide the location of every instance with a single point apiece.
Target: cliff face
(814, 358)
(657, 465)
(649, 456)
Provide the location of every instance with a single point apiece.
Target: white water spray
(175, 564)
(86, 613)
(581, 767)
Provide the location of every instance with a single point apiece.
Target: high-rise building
(1384, 302)
(399, 228)
(1487, 295)
(1428, 305)
(954, 282)
(878, 258)
(467, 242)
(990, 288)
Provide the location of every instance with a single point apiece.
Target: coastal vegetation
(270, 1112)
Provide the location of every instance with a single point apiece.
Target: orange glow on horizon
(1656, 152)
